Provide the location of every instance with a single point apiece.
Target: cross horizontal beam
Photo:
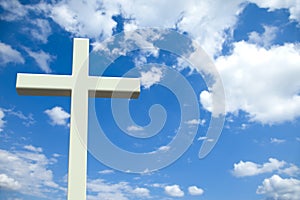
(61, 85)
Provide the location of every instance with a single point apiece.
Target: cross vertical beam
(78, 132)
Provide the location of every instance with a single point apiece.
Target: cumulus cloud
(194, 190)
(279, 188)
(174, 191)
(291, 170)
(122, 190)
(248, 168)
(9, 55)
(198, 18)
(27, 172)
(86, 18)
(256, 82)
(206, 100)
(151, 77)
(94, 20)
(208, 23)
(42, 59)
(9, 183)
(58, 116)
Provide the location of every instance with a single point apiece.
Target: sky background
(255, 48)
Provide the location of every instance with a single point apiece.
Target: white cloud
(203, 18)
(198, 18)
(121, 190)
(208, 23)
(277, 141)
(56, 155)
(278, 188)
(42, 58)
(107, 171)
(265, 39)
(14, 10)
(9, 183)
(158, 185)
(27, 172)
(131, 26)
(174, 191)
(9, 55)
(141, 192)
(58, 116)
(42, 30)
(292, 170)
(292, 5)
(194, 190)
(28, 120)
(255, 82)
(196, 122)
(151, 77)
(2, 122)
(206, 100)
(34, 149)
(134, 128)
(86, 18)
(182, 64)
(164, 148)
(65, 17)
(247, 168)
(202, 138)
(244, 126)
(146, 171)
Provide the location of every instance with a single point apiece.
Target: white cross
(86, 86)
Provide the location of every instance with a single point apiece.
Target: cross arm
(44, 85)
(112, 87)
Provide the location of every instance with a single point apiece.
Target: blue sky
(254, 46)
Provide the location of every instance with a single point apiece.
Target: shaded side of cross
(79, 86)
